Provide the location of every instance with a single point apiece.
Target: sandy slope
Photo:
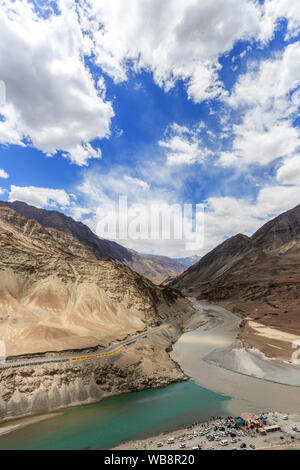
(51, 315)
(87, 302)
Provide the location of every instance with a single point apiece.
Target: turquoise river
(120, 418)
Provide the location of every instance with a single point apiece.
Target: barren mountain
(188, 261)
(257, 277)
(216, 262)
(55, 295)
(279, 231)
(155, 268)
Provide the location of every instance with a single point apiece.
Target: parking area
(265, 431)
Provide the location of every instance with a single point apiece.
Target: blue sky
(174, 102)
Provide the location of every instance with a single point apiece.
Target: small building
(273, 428)
(239, 421)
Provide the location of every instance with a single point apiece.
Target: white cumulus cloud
(39, 197)
(52, 101)
(3, 174)
(183, 145)
(267, 99)
(175, 39)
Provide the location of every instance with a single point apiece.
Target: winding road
(76, 357)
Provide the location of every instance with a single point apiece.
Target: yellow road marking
(85, 358)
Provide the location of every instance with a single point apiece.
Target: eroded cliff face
(35, 389)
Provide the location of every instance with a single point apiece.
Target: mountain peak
(278, 231)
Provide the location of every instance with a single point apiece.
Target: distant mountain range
(189, 261)
(258, 277)
(155, 268)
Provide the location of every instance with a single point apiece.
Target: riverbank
(15, 425)
(201, 435)
(200, 354)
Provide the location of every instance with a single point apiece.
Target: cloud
(55, 104)
(278, 9)
(3, 174)
(153, 186)
(52, 101)
(183, 145)
(39, 197)
(255, 146)
(175, 40)
(289, 172)
(272, 79)
(227, 159)
(277, 199)
(266, 100)
(78, 212)
(136, 181)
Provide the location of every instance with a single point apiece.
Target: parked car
(224, 443)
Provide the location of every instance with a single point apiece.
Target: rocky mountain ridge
(155, 268)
